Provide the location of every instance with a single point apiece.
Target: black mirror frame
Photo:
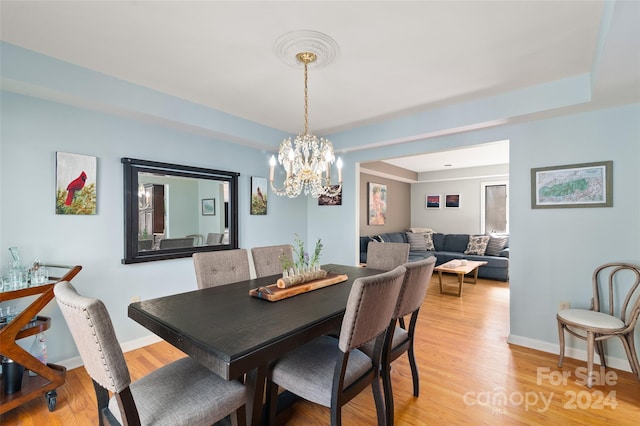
(131, 167)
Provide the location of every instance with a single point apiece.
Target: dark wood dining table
(233, 333)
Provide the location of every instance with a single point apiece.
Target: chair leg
(388, 394)
(414, 370)
(630, 349)
(381, 400)
(336, 415)
(561, 340)
(600, 350)
(590, 353)
(271, 402)
(239, 417)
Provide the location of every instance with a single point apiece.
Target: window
(494, 208)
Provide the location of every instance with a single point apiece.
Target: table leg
(255, 383)
(475, 275)
(460, 281)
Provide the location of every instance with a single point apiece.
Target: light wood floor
(469, 375)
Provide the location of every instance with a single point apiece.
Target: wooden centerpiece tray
(273, 293)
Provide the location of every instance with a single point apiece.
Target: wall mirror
(173, 211)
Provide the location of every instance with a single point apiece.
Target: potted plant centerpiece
(304, 268)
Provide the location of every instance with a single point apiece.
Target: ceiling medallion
(288, 45)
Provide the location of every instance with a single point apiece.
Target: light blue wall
(553, 251)
(33, 130)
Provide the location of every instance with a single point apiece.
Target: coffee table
(461, 268)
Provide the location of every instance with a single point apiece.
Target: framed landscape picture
(432, 201)
(577, 185)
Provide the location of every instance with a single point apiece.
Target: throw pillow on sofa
(477, 245)
(420, 241)
(416, 241)
(496, 245)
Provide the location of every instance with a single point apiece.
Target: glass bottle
(39, 350)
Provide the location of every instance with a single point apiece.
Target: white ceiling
(488, 154)
(394, 57)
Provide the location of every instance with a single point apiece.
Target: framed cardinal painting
(75, 183)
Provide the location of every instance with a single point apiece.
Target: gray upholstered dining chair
(330, 371)
(266, 259)
(214, 238)
(167, 243)
(215, 268)
(400, 338)
(180, 393)
(606, 318)
(386, 256)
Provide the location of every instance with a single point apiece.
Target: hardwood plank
(461, 350)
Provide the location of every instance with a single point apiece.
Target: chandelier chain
(307, 160)
(306, 101)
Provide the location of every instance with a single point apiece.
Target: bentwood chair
(197, 239)
(331, 372)
(180, 393)
(215, 268)
(615, 307)
(400, 338)
(386, 256)
(266, 259)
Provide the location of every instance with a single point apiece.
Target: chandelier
(308, 159)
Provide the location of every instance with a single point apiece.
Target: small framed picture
(432, 201)
(76, 183)
(452, 201)
(328, 200)
(208, 207)
(258, 195)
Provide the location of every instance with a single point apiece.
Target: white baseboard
(76, 362)
(569, 352)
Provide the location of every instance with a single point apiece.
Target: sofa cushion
(420, 241)
(438, 241)
(394, 237)
(496, 245)
(428, 236)
(477, 244)
(456, 242)
(417, 241)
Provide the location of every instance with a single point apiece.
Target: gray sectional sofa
(451, 246)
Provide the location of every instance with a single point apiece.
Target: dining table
(236, 335)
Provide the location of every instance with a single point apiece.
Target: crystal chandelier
(308, 159)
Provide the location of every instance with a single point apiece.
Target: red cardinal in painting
(76, 185)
